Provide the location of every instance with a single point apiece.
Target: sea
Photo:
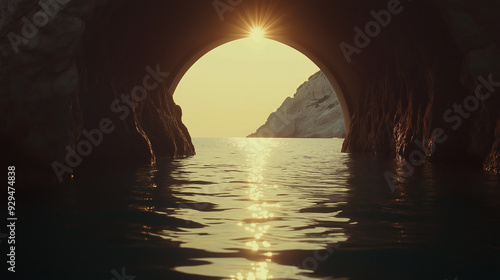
(263, 208)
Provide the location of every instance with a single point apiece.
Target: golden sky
(231, 90)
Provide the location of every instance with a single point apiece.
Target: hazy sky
(231, 90)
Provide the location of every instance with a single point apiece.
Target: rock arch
(60, 76)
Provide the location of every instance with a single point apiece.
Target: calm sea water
(264, 209)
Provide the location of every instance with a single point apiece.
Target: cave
(88, 89)
(66, 65)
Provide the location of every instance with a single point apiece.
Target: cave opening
(239, 86)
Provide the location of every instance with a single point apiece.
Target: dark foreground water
(263, 209)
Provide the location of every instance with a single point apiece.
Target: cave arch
(62, 77)
(331, 75)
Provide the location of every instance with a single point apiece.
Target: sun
(257, 33)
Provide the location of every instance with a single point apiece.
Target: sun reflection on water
(261, 188)
(260, 211)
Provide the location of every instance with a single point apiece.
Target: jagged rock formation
(313, 112)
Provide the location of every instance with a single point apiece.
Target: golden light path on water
(259, 189)
(257, 155)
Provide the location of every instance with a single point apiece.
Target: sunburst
(257, 33)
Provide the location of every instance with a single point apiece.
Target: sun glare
(257, 33)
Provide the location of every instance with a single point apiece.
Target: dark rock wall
(120, 60)
(39, 81)
(475, 27)
(62, 77)
(408, 98)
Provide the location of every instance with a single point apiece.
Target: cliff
(313, 112)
